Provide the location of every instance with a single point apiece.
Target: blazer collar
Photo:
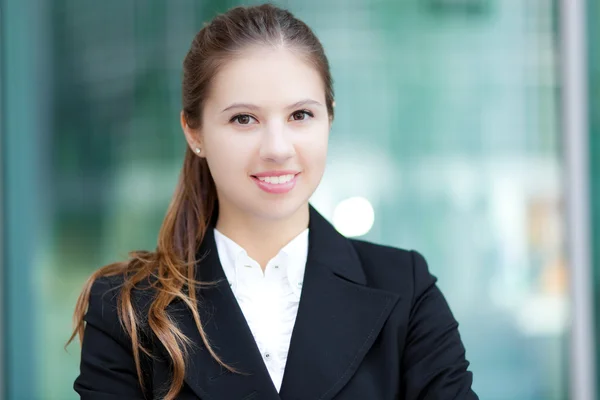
(339, 318)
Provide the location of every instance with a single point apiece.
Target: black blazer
(371, 325)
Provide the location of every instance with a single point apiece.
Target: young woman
(251, 294)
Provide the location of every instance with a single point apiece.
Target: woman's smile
(276, 182)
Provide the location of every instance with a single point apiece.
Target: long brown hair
(170, 269)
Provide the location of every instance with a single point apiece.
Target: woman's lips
(277, 183)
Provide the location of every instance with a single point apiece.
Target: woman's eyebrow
(305, 102)
(241, 105)
(254, 107)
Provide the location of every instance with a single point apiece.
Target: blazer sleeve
(107, 369)
(433, 362)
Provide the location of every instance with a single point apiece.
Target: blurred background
(466, 129)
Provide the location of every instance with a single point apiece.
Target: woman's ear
(192, 136)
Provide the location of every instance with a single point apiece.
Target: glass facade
(447, 124)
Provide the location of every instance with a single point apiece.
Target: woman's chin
(281, 209)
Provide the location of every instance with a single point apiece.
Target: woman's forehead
(267, 77)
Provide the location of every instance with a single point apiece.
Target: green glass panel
(446, 123)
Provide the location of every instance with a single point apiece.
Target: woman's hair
(170, 270)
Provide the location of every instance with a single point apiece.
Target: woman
(251, 294)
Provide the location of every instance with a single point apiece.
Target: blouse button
(267, 355)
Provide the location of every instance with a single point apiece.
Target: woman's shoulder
(107, 288)
(398, 258)
(104, 291)
(102, 307)
(392, 267)
(105, 294)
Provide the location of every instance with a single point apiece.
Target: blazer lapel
(339, 317)
(229, 335)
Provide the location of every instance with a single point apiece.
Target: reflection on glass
(445, 141)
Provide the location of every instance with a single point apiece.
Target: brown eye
(301, 115)
(243, 119)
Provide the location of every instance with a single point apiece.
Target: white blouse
(269, 300)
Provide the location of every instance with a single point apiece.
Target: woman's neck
(262, 238)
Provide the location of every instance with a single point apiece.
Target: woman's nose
(277, 145)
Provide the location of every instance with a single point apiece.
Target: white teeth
(277, 179)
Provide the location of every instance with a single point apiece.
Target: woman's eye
(301, 115)
(242, 119)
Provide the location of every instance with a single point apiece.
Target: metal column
(577, 195)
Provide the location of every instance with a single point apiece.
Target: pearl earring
(197, 150)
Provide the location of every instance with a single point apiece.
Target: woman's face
(264, 133)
